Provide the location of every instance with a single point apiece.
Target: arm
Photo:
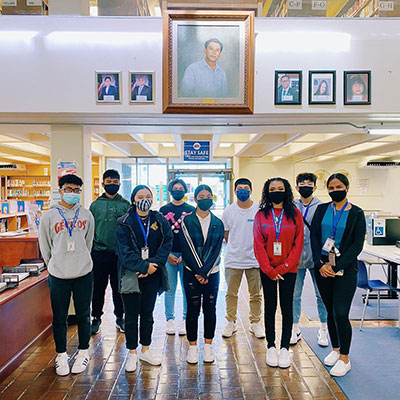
(45, 241)
(226, 236)
(225, 220)
(315, 236)
(295, 253)
(259, 249)
(90, 233)
(127, 254)
(162, 255)
(357, 243)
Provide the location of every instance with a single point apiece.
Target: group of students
(142, 252)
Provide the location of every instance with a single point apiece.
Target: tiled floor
(239, 372)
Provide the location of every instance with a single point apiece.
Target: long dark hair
(342, 178)
(288, 202)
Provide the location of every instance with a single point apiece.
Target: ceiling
(292, 144)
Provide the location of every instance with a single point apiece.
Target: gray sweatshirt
(54, 239)
(306, 260)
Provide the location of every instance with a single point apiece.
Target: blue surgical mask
(243, 194)
(71, 198)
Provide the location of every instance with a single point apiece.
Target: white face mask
(144, 205)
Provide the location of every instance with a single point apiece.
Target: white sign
(34, 3)
(379, 227)
(10, 3)
(295, 4)
(318, 5)
(362, 182)
(386, 6)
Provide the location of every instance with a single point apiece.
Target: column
(69, 7)
(117, 7)
(72, 143)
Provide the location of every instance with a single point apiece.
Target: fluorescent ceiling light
(17, 36)
(383, 131)
(225, 144)
(168, 144)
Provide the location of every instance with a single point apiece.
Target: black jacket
(352, 242)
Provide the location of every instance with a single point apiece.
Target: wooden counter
(25, 317)
(13, 249)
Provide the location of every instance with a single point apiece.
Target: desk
(13, 249)
(391, 254)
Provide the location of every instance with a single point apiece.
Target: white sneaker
(340, 368)
(61, 364)
(170, 329)
(208, 353)
(81, 362)
(296, 336)
(230, 329)
(182, 329)
(272, 357)
(331, 359)
(256, 329)
(192, 355)
(150, 357)
(284, 358)
(323, 337)
(131, 362)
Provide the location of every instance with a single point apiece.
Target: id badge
(277, 248)
(332, 259)
(145, 253)
(329, 244)
(70, 246)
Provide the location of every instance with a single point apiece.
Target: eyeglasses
(70, 190)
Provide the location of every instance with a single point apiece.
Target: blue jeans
(298, 289)
(173, 271)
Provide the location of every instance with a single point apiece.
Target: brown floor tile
(55, 395)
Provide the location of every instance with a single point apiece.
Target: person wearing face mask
(106, 210)
(238, 221)
(201, 235)
(337, 238)
(144, 241)
(307, 204)
(65, 238)
(174, 212)
(278, 244)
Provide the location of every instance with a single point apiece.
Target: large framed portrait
(288, 87)
(357, 87)
(208, 62)
(108, 87)
(141, 87)
(322, 87)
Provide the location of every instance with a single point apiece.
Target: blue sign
(196, 150)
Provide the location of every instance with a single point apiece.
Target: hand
(201, 280)
(152, 268)
(173, 259)
(326, 271)
(179, 260)
(143, 275)
(278, 277)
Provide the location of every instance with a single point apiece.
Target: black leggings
(337, 294)
(286, 290)
(198, 295)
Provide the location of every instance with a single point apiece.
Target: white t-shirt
(239, 222)
(205, 225)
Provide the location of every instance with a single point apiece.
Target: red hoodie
(291, 237)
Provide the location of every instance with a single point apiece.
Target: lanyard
(145, 234)
(306, 211)
(277, 223)
(336, 219)
(70, 229)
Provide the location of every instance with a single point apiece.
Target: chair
(371, 285)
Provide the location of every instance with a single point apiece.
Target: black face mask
(177, 194)
(205, 204)
(111, 189)
(338, 195)
(306, 191)
(277, 197)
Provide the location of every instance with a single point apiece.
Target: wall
(54, 70)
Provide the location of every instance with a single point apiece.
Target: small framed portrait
(208, 62)
(288, 87)
(108, 87)
(142, 87)
(322, 87)
(357, 87)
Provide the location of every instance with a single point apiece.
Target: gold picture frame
(208, 62)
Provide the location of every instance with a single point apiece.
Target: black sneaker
(95, 326)
(120, 324)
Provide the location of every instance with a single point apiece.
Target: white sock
(296, 327)
(324, 325)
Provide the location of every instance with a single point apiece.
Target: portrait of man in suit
(141, 87)
(108, 87)
(287, 87)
